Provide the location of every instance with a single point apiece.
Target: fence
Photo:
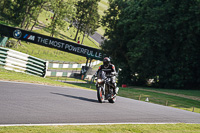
(20, 62)
(68, 73)
(63, 65)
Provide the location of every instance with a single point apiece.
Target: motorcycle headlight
(99, 80)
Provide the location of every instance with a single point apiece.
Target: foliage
(23, 12)
(62, 10)
(87, 17)
(155, 39)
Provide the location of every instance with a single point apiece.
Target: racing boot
(116, 89)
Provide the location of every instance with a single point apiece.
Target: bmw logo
(17, 34)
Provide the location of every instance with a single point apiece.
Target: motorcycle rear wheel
(100, 94)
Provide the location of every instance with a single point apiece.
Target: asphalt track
(23, 103)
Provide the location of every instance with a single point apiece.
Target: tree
(37, 13)
(87, 18)
(3, 5)
(91, 23)
(61, 10)
(115, 45)
(21, 12)
(157, 39)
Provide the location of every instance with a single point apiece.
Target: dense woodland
(146, 39)
(155, 39)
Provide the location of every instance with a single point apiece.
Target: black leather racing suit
(108, 70)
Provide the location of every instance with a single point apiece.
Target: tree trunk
(24, 20)
(79, 25)
(28, 9)
(4, 3)
(76, 34)
(53, 25)
(34, 23)
(27, 25)
(22, 24)
(83, 38)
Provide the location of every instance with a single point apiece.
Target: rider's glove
(95, 75)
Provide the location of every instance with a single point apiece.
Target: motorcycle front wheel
(100, 94)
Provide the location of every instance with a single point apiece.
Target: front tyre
(100, 94)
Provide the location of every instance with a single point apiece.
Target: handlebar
(108, 76)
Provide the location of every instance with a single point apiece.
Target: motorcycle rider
(109, 69)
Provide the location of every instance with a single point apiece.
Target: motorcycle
(105, 89)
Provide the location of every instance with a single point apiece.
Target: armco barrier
(20, 62)
(62, 65)
(64, 74)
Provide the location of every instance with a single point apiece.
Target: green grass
(177, 91)
(103, 5)
(129, 128)
(7, 75)
(49, 54)
(163, 99)
(158, 98)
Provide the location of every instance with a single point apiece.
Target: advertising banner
(47, 41)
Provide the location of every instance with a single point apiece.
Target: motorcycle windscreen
(101, 75)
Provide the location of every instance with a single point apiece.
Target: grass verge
(142, 93)
(7, 75)
(136, 128)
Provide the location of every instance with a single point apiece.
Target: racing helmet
(106, 61)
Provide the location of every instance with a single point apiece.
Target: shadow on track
(76, 97)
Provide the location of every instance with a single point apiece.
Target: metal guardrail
(20, 62)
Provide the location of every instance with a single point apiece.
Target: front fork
(98, 86)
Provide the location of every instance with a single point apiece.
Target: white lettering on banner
(99, 56)
(75, 49)
(42, 40)
(39, 39)
(69, 47)
(83, 50)
(45, 41)
(51, 42)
